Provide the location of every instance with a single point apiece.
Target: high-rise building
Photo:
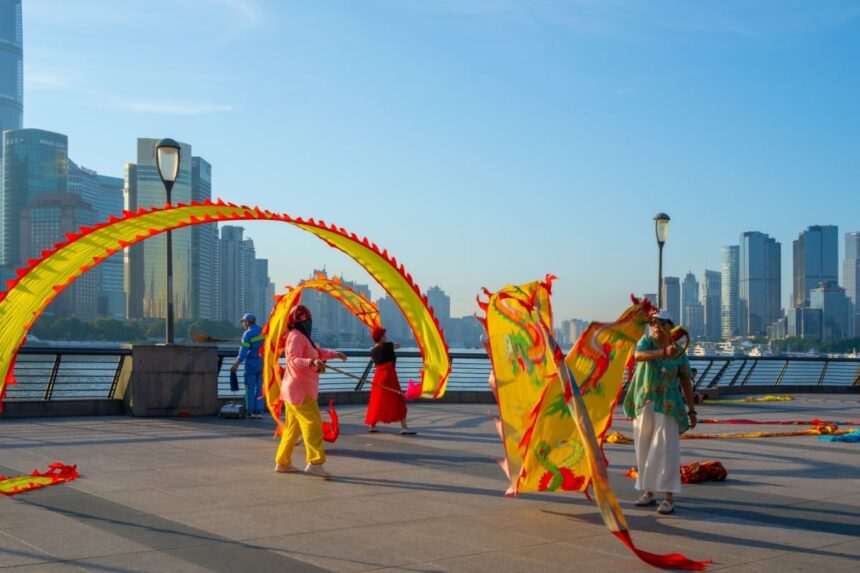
(233, 273)
(147, 275)
(44, 221)
(711, 301)
(834, 307)
(132, 271)
(394, 322)
(816, 261)
(243, 281)
(759, 282)
(334, 324)
(672, 297)
(851, 278)
(112, 292)
(440, 303)
(692, 311)
(34, 162)
(729, 302)
(202, 237)
(11, 66)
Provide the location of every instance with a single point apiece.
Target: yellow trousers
(304, 418)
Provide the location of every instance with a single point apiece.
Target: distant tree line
(795, 344)
(54, 327)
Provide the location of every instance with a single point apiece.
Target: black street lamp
(661, 226)
(167, 158)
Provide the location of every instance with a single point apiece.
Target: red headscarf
(297, 315)
(377, 333)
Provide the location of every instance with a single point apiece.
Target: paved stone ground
(200, 495)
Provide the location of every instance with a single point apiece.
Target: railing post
(115, 381)
(704, 375)
(738, 373)
(49, 389)
(719, 375)
(749, 372)
(361, 382)
(781, 373)
(823, 372)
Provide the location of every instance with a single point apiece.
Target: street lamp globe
(661, 226)
(167, 158)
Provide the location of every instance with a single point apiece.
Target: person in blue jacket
(249, 353)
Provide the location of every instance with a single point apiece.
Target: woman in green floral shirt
(656, 401)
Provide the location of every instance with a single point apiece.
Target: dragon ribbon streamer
(43, 279)
(554, 409)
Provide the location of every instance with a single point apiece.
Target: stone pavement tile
(796, 563)
(367, 548)
(241, 524)
(52, 567)
(730, 542)
(219, 557)
(558, 557)
(481, 532)
(63, 538)
(16, 511)
(14, 552)
(145, 562)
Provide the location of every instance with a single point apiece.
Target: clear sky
(482, 142)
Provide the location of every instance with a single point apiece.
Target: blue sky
(483, 142)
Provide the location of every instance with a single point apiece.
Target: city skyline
(430, 160)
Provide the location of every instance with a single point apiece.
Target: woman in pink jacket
(299, 391)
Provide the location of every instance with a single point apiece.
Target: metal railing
(56, 373)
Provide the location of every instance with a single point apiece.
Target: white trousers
(658, 451)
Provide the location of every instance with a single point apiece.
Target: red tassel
(664, 561)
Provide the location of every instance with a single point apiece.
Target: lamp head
(167, 158)
(661, 226)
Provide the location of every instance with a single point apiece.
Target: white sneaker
(286, 469)
(317, 470)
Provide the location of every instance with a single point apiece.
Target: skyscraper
(393, 320)
(233, 283)
(44, 221)
(112, 292)
(147, 275)
(692, 312)
(440, 302)
(672, 297)
(34, 162)
(834, 307)
(729, 303)
(11, 66)
(816, 261)
(851, 278)
(711, 301)
(202, 238)
(759, 282)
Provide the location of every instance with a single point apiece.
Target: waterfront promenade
(199, 494)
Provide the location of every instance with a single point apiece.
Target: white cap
(664, 315)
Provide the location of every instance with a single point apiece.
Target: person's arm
(244, 347)
(294, 353)
(327, 354)
(687, 390)
(643, 354)
(395, 345)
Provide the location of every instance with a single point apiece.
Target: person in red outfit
(387, 404)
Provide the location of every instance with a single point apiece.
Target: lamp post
(661, 226)
(167, 158)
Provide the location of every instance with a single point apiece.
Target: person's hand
(693, 417)
(341, 355)
(235, 367)
(670, 350)
(318, 365)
